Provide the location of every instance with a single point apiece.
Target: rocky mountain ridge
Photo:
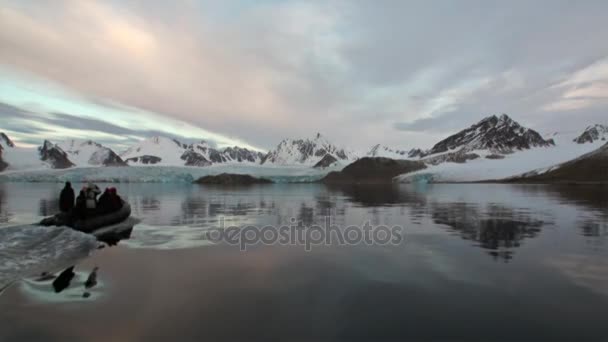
(493, 137)
(307, 152)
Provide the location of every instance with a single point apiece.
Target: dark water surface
(478, 262)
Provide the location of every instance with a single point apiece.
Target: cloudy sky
(402, 73)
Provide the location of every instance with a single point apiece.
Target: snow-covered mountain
(155, 150)
(90, 153)
(590, 167)
(233, 154)
(48, 155)
(497, 134)
(387, 152)
(56, 157)
(307, 152)
(5, 142)
(165, 151)
(592, 134)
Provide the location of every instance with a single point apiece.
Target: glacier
(513, 164)
(164, 174)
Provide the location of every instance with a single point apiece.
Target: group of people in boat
(87, 204)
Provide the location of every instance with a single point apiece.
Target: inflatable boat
(90, 224)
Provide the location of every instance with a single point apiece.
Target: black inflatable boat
(90, 224)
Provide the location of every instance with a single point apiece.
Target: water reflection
(498, 219)
(48, 206)
(379, 195)
(4, 213)
(429, 288)
(500, 230)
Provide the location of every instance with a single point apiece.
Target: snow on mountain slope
(592, 134)
(89, 153)
(171, 152)
(13, 157)
(590, 167)
(387, 152)
(511, 165)
(227, 155)
(167, 152)
(56, 157)
(242, 155)
(306, 152)
(498, 134)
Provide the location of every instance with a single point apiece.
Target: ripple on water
(30, 249)
(44, 291)
(167, 237)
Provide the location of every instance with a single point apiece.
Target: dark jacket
(104, 204)
(66, 199)
(116, 202)
(81, 205)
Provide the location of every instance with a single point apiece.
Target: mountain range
(493, 137)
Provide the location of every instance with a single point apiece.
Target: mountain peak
(4, 139)
(504, 117)
(499, 134)
(593, 133)
(305, 151)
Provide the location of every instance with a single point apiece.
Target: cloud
(401, 73)
(32, 128)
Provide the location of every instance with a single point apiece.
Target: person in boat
(104, 205)
(91, 198)
(66, 198)
(115, 200)
(81, 204)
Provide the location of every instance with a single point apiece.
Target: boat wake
(27, 250)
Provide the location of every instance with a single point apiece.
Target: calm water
(478, 262)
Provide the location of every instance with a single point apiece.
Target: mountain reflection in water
(476, 258)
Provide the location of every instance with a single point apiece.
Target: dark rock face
(145, 159)
(379, 150)
(180, 144)
(497, 134)
(216, 157)
(592, 133)
(111, 159)
(327, 161)
(232, 179)
(242, 154)
(416, 152)
(194, 159)
(495, 156)
(372, 170)
(590, 167)
(341, 154)
(302, 150)
(106, 156)
(213, 155)
(459, 157)
(103, 156)
(6, 140)
(54, 155)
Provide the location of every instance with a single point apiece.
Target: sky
(251, 73)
